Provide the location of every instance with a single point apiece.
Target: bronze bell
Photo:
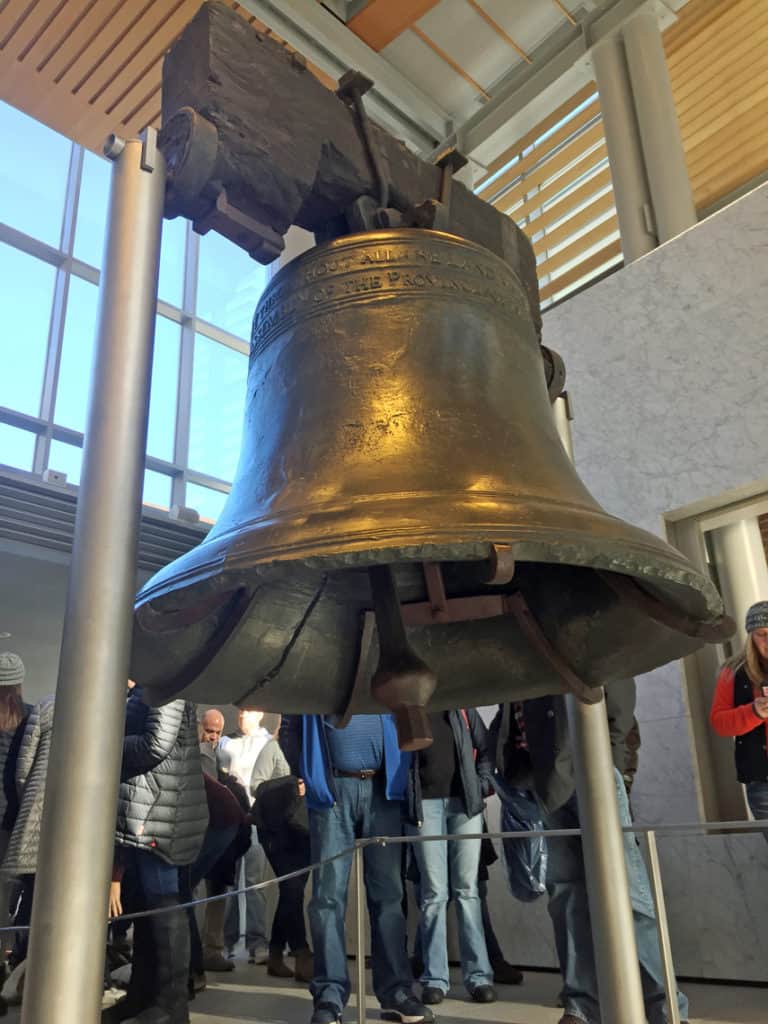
(398, 417)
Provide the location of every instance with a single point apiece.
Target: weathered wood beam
(255, 143)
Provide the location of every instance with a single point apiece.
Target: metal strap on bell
(398, 415)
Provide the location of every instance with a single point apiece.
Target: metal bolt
(113, 146)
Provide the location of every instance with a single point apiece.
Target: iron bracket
(259, 240)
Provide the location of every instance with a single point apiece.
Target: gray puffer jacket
(162, 805)
(31, 772)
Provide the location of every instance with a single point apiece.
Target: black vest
(751, 756)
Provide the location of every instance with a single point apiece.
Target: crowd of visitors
(203, 811)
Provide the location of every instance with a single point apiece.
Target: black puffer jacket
(162, 805)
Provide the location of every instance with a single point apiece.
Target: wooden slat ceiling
(718, 63)
(90, 67)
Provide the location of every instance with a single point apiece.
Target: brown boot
(277, 967)
(304, 968)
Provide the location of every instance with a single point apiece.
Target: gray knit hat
(11, 669)
(757, 616)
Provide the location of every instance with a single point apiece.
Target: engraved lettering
(377, 256)
(353, 274)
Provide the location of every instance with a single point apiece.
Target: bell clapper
(402, 682)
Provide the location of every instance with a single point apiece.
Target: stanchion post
(662, 925)
(610, 906)
(360, 931)
(68, 931)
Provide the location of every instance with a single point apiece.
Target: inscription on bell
(357, 269)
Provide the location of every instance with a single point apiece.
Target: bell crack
(298, 628)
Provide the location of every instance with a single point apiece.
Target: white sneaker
(111, 996)
(258, 955)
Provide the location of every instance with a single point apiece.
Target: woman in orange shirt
(740, 709)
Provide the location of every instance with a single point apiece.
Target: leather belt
(364, 773)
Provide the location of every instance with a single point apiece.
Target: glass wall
(53, 211)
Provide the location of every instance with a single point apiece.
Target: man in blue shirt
(356, 778)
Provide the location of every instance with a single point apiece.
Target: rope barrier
(681, 828)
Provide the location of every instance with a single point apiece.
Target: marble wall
(667, 368)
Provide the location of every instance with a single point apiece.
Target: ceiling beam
(562, 60)
(381, 21)
(395, 102)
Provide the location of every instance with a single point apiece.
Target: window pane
(229, 285)
(165, 385)
(171, 285)
(77, 354)
(27, 289)
(206, 501)
(66, 458)
(92, 210)
(157, 489)
(17, 447)
(33, 175)
(219, 377)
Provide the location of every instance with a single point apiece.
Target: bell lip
(648, 558)
(375, 235)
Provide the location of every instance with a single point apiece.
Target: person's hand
(115, 905)
(760, 704)
(302, 787)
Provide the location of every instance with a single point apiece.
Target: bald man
(212, 724)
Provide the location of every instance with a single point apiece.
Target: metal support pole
(360, 932)
(742, 572)
(625, 155)
(610, 906)
(68, 930)
(662, 926)
(654, 104)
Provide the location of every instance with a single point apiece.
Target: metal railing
(357, 850)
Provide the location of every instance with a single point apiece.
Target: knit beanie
(757, 616)
(11, 669)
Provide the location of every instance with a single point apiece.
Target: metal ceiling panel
(528, 23)
(432, 75)
(36, 513)
(471, 42)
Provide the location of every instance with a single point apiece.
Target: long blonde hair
(750, 660)
(11, 708)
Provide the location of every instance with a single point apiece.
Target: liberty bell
(405, 528)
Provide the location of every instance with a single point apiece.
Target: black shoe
(407, 1009)
(157, 1015)
(431, 996)
(483, 994)
(326, 1013)
(506, 974)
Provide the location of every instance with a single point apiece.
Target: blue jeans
(148, 878)
(361, 810)
(757, 798)
(450, 868)
(249, 870)
(569, 910)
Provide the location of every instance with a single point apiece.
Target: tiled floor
(248, 995)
